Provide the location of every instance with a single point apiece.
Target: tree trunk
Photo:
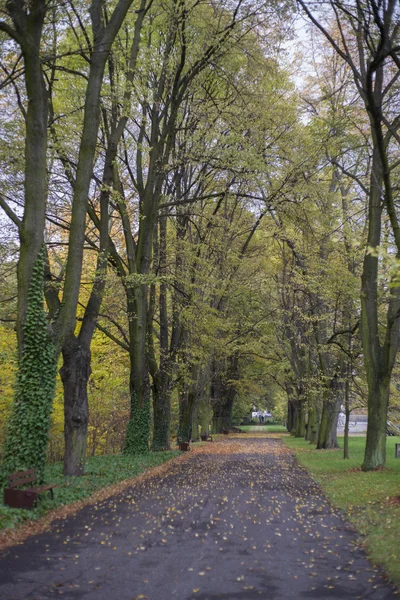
(196, 422)
(347, 418)
(223, 394)
(291, 415)
(29, 422)
(222, 402)
(75, 374)
(161, 415)
(103, 38)
(378, 402)
(35, 184)
(327, 437)
(378, 359)
(222, 417)
(186, 416)
(299, 426)
(313, 425)
(308, 424)
(205, 414)
(162, 376)
(138, 430)
(187, 406)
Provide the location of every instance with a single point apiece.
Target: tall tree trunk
(138, 429)
(162, 376)
(291, 410)
(196, 420)
(313, 425)
(75, 383)
(76, 410)
(103, 38)
(189, 399)
(378, 402)
(299, 425)
(347, 417)
(295, 409)
(378, 358)
(161, 414)
(33, 223)
(30, 418)
(186, 413)
(222, 417)
(27, 436)
(224, 393)
(309, 419)
(205, 412)
(28, 34)
(75, 374)
(327, 436)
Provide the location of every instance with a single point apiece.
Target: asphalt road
(238, 519)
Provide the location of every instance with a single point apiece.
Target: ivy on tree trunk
(29, 424)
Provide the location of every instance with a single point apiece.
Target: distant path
(235, 519)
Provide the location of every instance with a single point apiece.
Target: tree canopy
(192, 226)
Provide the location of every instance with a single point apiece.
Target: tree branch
(10, 213)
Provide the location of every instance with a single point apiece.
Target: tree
(167, 88)
(367, 39)
(28, 22)
(76, 348)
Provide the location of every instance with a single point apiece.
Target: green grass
(263, 428)
(100, 472)
(367, 499)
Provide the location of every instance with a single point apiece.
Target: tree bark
(299, 425)
(291, 415)
(222, 417)
(224, 393)
(187, 406)
(205, 412)
(162, 376)
(327, 438)
(75, 374)
(138, 429)
(378, 402)
(162, 415)
(28, 26)
(75, 386)
(347, 413)
(312, 425)
(379, 358)
(37, 389)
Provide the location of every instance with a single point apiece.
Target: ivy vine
(29, 423)
(161, 430)
(138, 430)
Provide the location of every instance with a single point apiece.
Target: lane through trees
(237, 518)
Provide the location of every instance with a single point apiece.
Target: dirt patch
(395, 501)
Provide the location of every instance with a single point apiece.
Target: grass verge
(371, 501)
(101, 472)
